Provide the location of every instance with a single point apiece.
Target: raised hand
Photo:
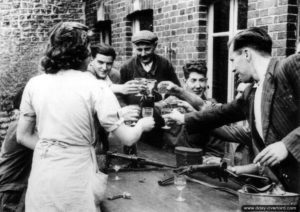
(146, 123)
(130, 112)
(174, 116)
(130, 87)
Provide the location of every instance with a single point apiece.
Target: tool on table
(220, 171)
(139, 160)
(195, 168)
(125, 195)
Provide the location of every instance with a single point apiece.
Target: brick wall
(279, 17)
(24, 27)
(179, 24)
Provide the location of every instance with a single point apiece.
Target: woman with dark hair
(62, 105)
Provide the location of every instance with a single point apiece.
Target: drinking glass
(180, 183)
(166, 110)
(147, 111)
(140, 82)
(162, 89)
(131, 122)
(117, 167)
(150, 85)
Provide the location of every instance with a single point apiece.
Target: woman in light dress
(57, 116)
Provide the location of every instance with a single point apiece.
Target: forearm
(26, 133)
(128, 135)
(116, 88)
(214, 117)
(189, 97)
(29, 140)
(236, 134)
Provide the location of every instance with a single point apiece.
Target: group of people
(82, 100)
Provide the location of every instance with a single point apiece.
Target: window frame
(233, 24)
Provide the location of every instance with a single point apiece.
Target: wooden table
(148, 196)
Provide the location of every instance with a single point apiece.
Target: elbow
(20, 139)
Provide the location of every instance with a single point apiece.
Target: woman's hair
(67, 48)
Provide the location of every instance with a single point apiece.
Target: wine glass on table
(117, 167)
(180, 183)
(166, 109)
(150, 85)
(162, 89)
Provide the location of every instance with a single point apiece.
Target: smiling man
(147, 64)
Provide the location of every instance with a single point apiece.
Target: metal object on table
(264, 200)
(125, 195)
(138, 160)
(188, 156)
(194, 168)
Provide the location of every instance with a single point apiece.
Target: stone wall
(179, 24)
(279, 17)
(24, 27)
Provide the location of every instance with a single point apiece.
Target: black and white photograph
(149, 105)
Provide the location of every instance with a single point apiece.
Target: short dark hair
(104, 49)
(254, 37)
(67, 48)
(194, 66)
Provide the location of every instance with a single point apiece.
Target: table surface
(148, 196)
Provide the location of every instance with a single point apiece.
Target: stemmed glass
(117, 167)
(140, 82)
(180, 183)
(166, 110)
(162, 89)
(150, 85)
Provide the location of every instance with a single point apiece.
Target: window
(142, 20)
(225, 19)
(103, 25)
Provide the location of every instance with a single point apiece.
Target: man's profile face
(102, 65)
(145, 52)
(196, 83)
(240, 64)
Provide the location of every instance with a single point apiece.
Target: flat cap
(144, 36)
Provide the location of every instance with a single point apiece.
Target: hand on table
(272, 154)
(212, 160)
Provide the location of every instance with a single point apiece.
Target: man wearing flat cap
(147, 64)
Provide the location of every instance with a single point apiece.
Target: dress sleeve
(26, 107)
(107, 107)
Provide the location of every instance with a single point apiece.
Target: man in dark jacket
(147, 64)
(15, 166)
(271, 105)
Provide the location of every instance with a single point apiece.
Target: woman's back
(64, 104)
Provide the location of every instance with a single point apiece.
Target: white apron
(60, 179)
